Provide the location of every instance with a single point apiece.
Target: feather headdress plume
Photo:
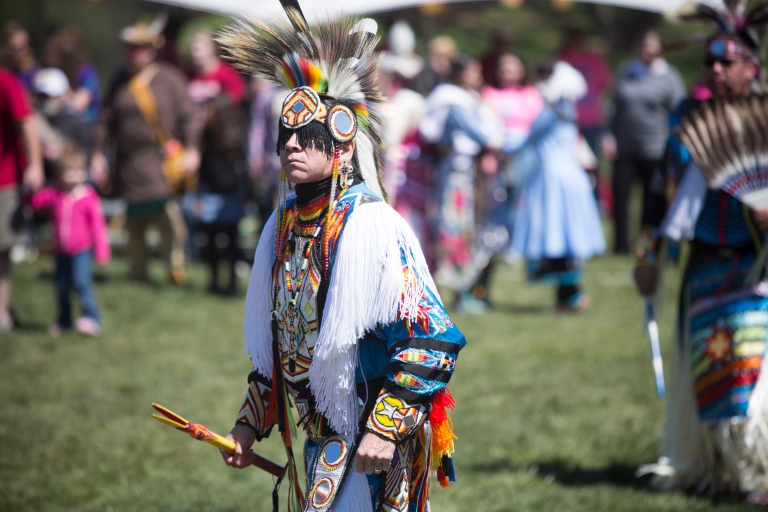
(735, 21)
(330, 71)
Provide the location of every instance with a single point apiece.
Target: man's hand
(609, 147)
(374, 454)
(191, 160)
(646, 279)
(761, 219)
(34, 176)
(243, 457)
(99, 169)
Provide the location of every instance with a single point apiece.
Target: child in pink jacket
(79, 237)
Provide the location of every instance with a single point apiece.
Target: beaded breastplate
(297, 283)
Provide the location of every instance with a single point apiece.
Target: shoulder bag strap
(145, 100)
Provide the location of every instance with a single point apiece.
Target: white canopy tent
(321, 8)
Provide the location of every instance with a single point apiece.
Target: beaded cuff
(253, 412)
(395, 419)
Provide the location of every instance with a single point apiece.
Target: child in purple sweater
(79, 237)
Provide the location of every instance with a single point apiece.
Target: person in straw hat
(147, 117)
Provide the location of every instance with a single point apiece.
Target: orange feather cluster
(442, 432)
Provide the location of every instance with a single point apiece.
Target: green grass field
(554, 412)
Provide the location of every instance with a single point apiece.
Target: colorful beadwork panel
(342, 123)
(727, 346)
(404, 487)
(395, 419)
(328, 461)
(300, 107)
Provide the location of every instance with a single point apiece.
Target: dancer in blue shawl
(557, 224)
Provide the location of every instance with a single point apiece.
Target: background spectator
(597, 72)
(139, 154)
(442, 49)
(500, 44)
(647, 90)
(217, 206)
(79, 236)
(20, 163)
(263, 162)
(517, 104)
(18, 55)
(457, 121)
(65, 50)
(56, 123)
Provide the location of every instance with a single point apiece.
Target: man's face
(18, 48)
(472, 76)
(307, 165)
(202, 49)
(729, 76)
(511, 70)
(650, 49)
(304, 165)
(139, 57)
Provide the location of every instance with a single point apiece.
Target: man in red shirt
(21, 163)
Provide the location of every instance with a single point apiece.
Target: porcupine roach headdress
(331, 74)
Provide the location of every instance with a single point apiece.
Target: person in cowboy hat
(147, 102)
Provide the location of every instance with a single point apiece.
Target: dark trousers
(222, 245)
(625, 170)
(75, 272)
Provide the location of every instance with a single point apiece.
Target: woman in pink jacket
(79, 237)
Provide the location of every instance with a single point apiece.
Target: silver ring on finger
(378, 470)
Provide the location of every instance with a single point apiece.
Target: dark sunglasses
(726, 63)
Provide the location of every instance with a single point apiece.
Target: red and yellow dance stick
(201, 433)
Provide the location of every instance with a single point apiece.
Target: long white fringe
(685, 454)
(257, 329)
(367, 287)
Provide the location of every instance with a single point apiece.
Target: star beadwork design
(393, 413)
(718, 346)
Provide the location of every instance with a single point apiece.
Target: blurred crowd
(490, 159)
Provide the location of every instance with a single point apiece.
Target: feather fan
(728, 140)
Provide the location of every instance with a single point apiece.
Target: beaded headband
(723, 46)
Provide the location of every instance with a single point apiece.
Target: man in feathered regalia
(716, 432)
(347, 334)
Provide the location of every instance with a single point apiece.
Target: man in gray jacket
(647, 90)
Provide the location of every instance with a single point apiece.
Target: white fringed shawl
(367, 287)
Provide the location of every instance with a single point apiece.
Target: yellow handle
(222, 443)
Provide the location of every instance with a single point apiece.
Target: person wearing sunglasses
(715, 437)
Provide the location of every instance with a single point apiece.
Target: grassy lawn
(554, 412)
